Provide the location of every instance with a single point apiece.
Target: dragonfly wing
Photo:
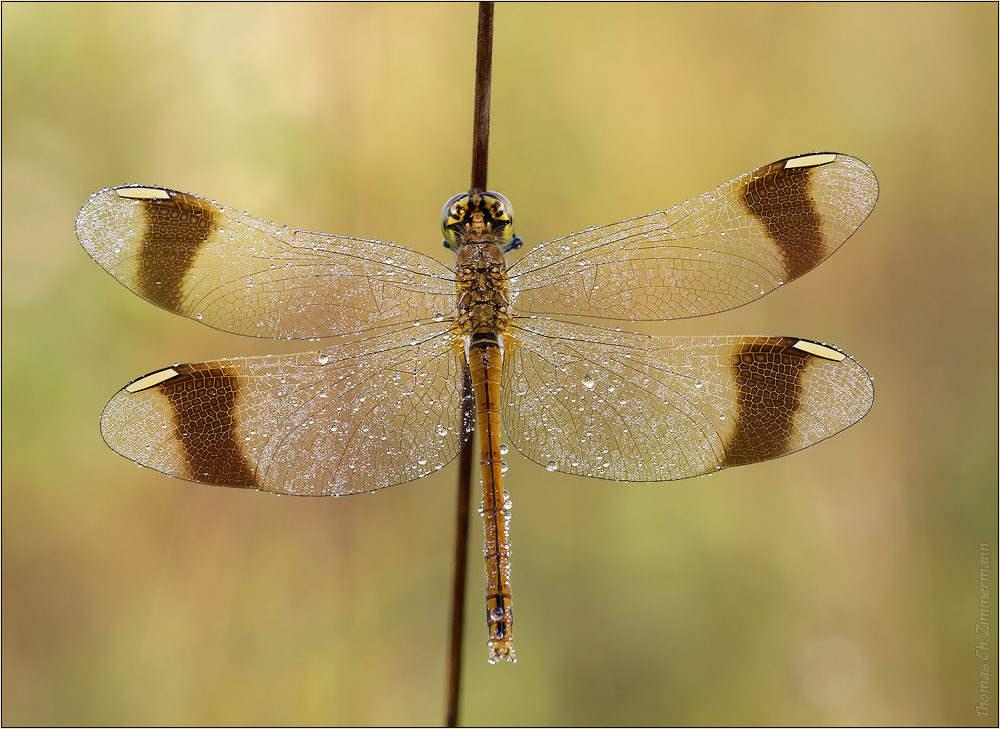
(354, 417)
(245, 275)
(628, 407)
(716, 252)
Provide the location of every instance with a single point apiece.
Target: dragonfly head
(477, 217)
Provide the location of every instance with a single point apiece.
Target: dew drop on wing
(551, 465)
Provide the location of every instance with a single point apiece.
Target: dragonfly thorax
(482, 288)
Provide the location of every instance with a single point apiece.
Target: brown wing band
(176, 229)
(780, 199)
(204, 398)
(767, 374)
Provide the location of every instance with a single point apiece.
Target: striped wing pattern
(244, 275)
(350, 418)
(718, 251)
(627, 407)
(584, 400)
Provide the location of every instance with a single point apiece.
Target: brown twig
(480, 151)
(481, 120)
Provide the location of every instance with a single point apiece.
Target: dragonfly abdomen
(485, 364)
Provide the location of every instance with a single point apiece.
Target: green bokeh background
(835, 586)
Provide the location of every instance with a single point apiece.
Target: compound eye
(501, 205)
(502, 212)
(453, 212)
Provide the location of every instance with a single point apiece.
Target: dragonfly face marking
(478, 217)
(583, 400)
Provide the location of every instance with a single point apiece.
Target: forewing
(245, 275)
(713, 253)
(355, 417)
(601, 403)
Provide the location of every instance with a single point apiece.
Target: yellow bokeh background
(839, 585)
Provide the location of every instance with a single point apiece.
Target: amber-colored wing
(355, 417)
(244, 275)
(715, 252)
(602, 403)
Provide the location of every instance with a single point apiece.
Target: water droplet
(504, 449)
(496, 613)
(605, 464)
(588, 381)
(698, 384)
(503, 467)
(198, 316)
(551, 465)
(416, 323)
(438, 316)
(422, 460)
(324, 358)
(438, 465)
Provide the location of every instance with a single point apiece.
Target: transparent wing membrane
(355, 417)
(584, 400)
(244, 275)
(718, 251)
(602, 403)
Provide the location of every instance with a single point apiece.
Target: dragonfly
(440, 350)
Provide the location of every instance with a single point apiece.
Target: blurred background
(839, 585)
